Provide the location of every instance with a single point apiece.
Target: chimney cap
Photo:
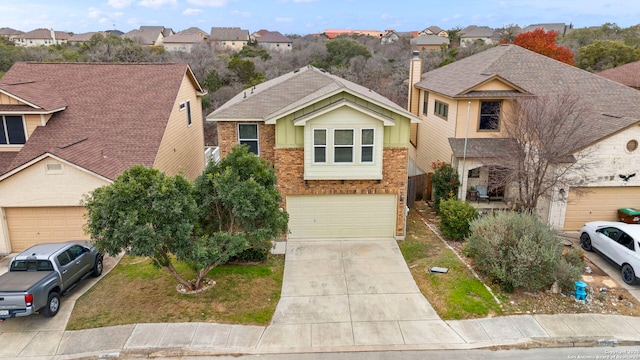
(416, 54)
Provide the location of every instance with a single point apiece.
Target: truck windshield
(31, 265)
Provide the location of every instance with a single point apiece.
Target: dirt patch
(605, 295)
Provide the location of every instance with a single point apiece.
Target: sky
(309, 16)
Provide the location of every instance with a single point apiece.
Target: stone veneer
(289, 166)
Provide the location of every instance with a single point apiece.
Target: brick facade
(289, 166)
(228, 138)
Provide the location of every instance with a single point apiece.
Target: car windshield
(31, 265)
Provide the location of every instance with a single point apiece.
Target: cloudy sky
(309, 16)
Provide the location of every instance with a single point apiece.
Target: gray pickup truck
(38, 276)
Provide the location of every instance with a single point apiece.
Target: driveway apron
(352, 292)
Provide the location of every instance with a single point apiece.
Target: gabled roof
(5, 31)
(560, 28)
(39, 96)
(614, 106)
(429, 40)
(45, 34)
(116, 114)
(273, 37)
(627, 74)
(183, 39)
(84, 37)
(147, 34)
(193, 31)
(229, 33)
(295, 90)
(478, 32)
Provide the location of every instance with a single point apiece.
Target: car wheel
(53, 305)
(97, 268)
(628, 275)
(585, 242)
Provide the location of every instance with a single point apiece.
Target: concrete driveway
(351, 292)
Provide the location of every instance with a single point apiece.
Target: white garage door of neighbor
(598, 203)
(341, 216)
(34, 225)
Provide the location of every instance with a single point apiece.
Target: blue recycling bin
(581, 292)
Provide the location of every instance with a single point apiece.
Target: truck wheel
(97, 268)
(53, 305)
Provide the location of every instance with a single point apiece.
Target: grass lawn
(137, 292)
(456, 294)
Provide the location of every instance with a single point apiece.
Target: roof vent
(296, 70)
(613, 116)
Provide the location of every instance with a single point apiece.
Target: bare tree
(549, 135)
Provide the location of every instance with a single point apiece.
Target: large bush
(519, 251)
(445, 183)
(455, 218)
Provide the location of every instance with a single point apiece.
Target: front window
(489, 115)
(366, 148)
(343, 146)
(12, 130)
(248, 135)
(320, 145)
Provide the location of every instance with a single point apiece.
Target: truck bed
(21, 281)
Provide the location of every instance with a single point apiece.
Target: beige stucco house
(41, 37)
(232, 38)
(456, 101)
(339, 150)
(68, 128)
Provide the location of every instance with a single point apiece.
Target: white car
(617, 241)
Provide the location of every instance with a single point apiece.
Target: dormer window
(12, 130)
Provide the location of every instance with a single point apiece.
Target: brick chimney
(415, 74)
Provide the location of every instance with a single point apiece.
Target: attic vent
(613, 116)
(53, 168)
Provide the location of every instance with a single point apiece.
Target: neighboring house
(273, 40)
(339, 152)
(233, 38)
(428, 42)
(476, 34)
(333, 33)
(69, 128)
(149, 35)
(561, 28)
(627, 74)
(389, 37)
(434, 30)
(78, 39)
(182, 42)
(479, 88)
(10, 33)
(42, 37)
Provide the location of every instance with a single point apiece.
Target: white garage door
(341, 216)
(30, 226)
(601, 203)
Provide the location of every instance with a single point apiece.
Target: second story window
(248, 135)
(12, 130)
(366, 146)
(489, 115)
(425, 103)
(441, 109)
(319, 145)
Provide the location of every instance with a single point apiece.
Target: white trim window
(248, 135)
(320, 146)
(367, 140)
(343, 145)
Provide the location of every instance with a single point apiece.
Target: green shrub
(519, 251)
(445, 183)
(455, 217)
(570, 269)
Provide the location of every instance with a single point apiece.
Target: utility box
(629, 215)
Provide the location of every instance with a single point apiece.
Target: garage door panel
(341, 216)
(601, 203)
(30, 226)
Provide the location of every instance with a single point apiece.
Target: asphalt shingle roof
(293, 91)
(627, 74)
(116, 114)
(229, 33)
(429, 40)
(613, 106)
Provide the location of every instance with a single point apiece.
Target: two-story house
(185, 40)
(340, 152)
(69, 128)
(232, 38)
(466, 102)
(41, 37)
(272, 40)
(149, 35)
